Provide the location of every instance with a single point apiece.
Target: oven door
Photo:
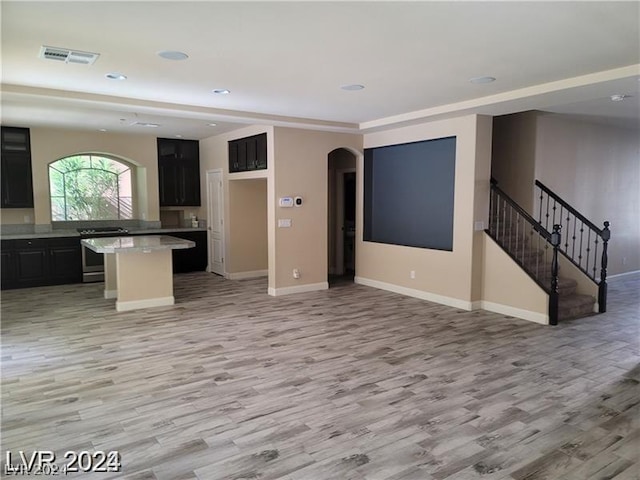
(92, 266)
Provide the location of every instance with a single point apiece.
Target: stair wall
(508, 289)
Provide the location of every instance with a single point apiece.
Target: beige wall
(445, 276)
(596, 168)
(48, 145)
(513, 157)
(248, 226)
(506, 288)
(301, 169)
(214, 154)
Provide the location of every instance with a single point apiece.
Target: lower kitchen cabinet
(41, 261)
(190, 259)
(65, 261)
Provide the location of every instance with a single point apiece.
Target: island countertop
(136, 244)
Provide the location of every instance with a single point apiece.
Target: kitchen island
(138, 269)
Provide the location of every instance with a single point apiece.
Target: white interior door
(215, 201)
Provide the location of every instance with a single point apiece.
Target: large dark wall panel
(409, 193)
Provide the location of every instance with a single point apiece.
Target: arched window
(90, 187)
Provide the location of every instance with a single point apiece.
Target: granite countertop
(136, 244)
(74, 233)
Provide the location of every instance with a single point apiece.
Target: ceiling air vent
(68, 56)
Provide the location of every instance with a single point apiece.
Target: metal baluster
(504, 220)
(541, 199)
(517, 231)
(581, 235)
(546, 224)
(595, 258)
(588, 249)
(573, 252)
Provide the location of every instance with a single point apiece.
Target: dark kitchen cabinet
(30, 262)
(65, 261)
(7, 256)
(41, 261)
(179, 172)
(17, 183)
(246, 154)
(189, 259)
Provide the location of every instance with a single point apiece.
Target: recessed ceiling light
(178, 136)
(145, 124)
(116, 76)
(618, 97)
(352, 87)
(173, 55)
(103, 130)
(479, 80)
(221, 91)
(211, 124)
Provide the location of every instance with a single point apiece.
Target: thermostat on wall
(286, 202)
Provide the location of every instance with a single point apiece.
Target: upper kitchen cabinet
(246, 154)
(179, 172)
(17, 185)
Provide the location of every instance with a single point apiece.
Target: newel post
(553, 298)
(602, 286)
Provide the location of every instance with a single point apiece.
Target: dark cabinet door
(261, 151)
(190, 259)
(168, 181)
(30, 261)
(17, 186)
(7, 267)
(178, 172)
(65, 261)
(234, 166)
(248, 153)
(189, 178)
(15, 140)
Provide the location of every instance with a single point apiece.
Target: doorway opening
(342, 216)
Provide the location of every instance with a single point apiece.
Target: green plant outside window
(90, 187)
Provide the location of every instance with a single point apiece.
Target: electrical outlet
(624, 260)
(27, 219)
(412, 274)
(296, 273)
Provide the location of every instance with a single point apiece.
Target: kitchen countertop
(136, 244)
(74, 233)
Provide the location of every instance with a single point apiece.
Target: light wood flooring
(350, 383)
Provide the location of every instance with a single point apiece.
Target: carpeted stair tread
(574, 306)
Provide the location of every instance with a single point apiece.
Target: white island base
(138, 270)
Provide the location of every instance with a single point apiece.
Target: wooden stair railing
(582, 239)
(527, 242)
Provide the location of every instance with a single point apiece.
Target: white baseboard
(309, 287)
(246, 275)
(512, 312)
(624, 276)
(430, 297)
(147, 303)
(111, 294)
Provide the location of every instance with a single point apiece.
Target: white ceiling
(285, 61)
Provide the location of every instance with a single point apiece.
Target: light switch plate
(284, 222)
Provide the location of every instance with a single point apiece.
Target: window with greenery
(90, 187)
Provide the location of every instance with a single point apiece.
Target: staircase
(530, 244)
